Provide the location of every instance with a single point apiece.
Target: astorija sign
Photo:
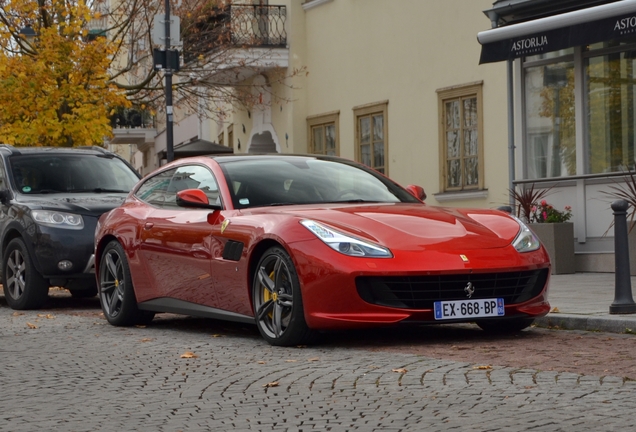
(555, 39)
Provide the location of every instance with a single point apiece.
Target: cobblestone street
(68, 370)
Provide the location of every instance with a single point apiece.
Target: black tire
(505, 326)
(24, 288)
(277, 300)
(116, 292)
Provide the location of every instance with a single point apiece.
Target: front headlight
(58, 219)
(525, 241)
(346, 244)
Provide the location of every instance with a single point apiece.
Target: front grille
(420, 292)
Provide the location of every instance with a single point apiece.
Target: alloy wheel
(274, 300)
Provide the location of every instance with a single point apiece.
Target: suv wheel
(24, 287)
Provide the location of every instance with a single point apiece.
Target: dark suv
(50, 200)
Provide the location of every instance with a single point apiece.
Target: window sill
(310, 4)
(461, 196)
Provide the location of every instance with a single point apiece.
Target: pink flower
(534, 208)
(545, 215)
(568, 208)
(544, 203)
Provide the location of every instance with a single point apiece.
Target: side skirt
(186, 308)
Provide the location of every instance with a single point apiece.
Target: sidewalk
(581, 301)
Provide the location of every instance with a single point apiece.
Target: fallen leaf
(146, 339)
(271, 384)
(18, 313)
(47, 316)
(483, 367)
(140, 326)
(555, 310)
(400, 370)
(31, 326)
(217, 335)
(291, 361)
(189, 354)
(314, 359)
(260, 362)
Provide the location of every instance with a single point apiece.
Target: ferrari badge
(224, 225)
(464, 258)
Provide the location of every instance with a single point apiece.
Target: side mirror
(195, 198)
(5, 196)
(417, 192)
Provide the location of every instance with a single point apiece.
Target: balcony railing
(131, 118)
(236, 26)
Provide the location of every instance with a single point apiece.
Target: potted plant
(552, 226)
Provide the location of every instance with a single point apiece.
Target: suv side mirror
(5, 196)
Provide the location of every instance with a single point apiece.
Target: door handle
(148, 225)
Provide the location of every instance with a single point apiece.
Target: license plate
(477, 308)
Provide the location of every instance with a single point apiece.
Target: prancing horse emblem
(469, 290)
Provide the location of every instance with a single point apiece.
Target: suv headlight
(58, 219)
(525, 241)
(346, 244)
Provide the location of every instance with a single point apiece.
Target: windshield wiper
(99, 190)
(282, 204)
(353, 201)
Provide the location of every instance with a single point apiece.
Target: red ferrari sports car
(301, 243)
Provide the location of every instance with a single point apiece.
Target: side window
(153, 190)
(192, 177)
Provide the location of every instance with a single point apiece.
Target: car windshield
(70, 173)
(273, 181)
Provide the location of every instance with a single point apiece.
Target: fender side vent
(233, 250)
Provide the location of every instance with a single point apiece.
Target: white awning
(595, 24)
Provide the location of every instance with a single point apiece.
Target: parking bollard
(623, 300)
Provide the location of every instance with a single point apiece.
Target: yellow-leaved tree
(68, 85)
(55, 85)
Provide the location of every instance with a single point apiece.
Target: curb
(611, 324)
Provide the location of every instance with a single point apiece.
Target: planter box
(558, 239)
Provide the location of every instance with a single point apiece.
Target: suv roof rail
(97, 148)
(11, 148)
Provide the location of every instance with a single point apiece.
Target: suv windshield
(55, 173)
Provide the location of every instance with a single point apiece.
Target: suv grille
(419, 292)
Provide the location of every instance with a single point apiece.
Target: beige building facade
(398, 85)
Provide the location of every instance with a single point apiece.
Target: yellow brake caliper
(267, 296)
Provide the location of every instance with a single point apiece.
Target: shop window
(461, 148)
(372, 136)
(550, 140)
(323, 134)
(610, 108)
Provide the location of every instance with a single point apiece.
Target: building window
(460, 136)
(323, 134)
(220, 138)
(230, 136)
(372, 135)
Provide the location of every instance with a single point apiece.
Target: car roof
(222, 158)
(94, 150)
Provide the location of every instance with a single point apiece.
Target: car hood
(409, 226)
(84, 204)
